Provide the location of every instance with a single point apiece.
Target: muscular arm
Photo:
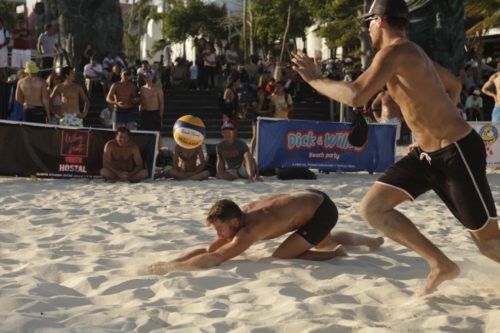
(138, 163)
(175, 160)
(486, 87)
(110, 98)
(451, 84)
(201, 157)
(19, 94)
(220, 165)
(45, 100)
(355, 93)
(85, 100)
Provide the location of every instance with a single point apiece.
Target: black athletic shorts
(457, 173)
(151, 121)
(324, 219)
(35, 115)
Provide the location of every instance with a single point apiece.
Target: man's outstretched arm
(202, 258)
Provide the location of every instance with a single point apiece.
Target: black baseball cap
(390, 8)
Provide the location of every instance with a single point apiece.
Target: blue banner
(322, 145)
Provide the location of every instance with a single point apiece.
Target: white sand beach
(73, 253)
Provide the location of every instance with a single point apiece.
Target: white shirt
(92, 72)
(472, 102)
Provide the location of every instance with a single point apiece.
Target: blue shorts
(495, 115)
(124, 116)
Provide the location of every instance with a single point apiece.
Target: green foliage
(8, 13)
(192, 19)
(481, 15)
(270, 20)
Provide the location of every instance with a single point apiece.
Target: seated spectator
(122, 159)
(115, 75)
(474, 106)
(234, 160)
(263, 109)
(230, 104)
(93, 72)
(70, 94)
(281, 102)
(188, 164)
(32, 93)
(179, 74)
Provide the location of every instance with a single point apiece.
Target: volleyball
(189, 132)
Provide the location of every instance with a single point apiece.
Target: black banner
(61, 152)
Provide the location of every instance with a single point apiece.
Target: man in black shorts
(448, 157)
(310, 213)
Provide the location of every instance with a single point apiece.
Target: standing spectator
(21, 51)
(33, 94)
(53, 80)
(93, 73)
(141, 72)
(281, 102)
(210, 64)
(474, 106)
(123, 97)
(87, 54)
(232, 57)
(167, 64)
(71, 94)
(151, 106)
(200, 48)
(494, 81)
(193, 77)
(47, 46)
(108, 62)
(230, 104)
(115, 75)
(4, 42)
(233, 158)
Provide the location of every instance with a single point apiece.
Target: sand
(73, 254)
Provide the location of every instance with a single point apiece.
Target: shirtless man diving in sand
(309, 214)
(449, 157)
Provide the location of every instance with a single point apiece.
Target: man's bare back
(33, 90)
(493, 82)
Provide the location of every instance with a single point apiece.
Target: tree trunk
(245, 50)
(277, 71)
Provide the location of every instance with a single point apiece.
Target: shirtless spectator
(151, 105)
(123, 97)
(32, 93)
(122, 159)
(309, 214)
(281, 102)
(494, 81)
(234, 160)
(70, 93)
(21, 50)
(94, 73)
(386, 111)
(185, 164)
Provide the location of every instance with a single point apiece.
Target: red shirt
(20, 43)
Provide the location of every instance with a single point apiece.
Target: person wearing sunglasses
(448, 156)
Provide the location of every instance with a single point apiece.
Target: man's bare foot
(376, 243)
(438, 275)
(159, 268)
(340, 251)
